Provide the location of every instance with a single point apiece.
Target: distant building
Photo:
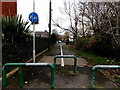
(71, 39)
(44, 34)
(8, 7)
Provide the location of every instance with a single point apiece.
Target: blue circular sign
(33, 17)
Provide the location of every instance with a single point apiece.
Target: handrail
(21, 82)
(101, 67)
(67, 56)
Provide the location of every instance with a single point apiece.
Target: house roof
(8, 0)
(8, 7)
(44, 34)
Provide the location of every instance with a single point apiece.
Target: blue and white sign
(33, 17)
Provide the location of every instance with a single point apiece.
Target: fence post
(52, 75)
(4, 79)
(21, 82)
(67, 56)
(75, 64)
(55, 62)
(93, 78)
(101, 67)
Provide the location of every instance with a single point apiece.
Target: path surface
(56, 51)
(39, 77)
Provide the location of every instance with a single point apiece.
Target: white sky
(25, 7)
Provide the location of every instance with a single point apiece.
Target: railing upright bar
(52, 75)
(94, 69)
(67, 56)
(4, 79)
(21, 81)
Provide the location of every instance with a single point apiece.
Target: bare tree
(71, 10)
(113, 16)
(104, 17)
(82, 8)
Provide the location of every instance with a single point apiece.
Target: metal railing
(67, 56)
(21, 81)
(94, 69)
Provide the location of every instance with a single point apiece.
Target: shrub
(17, 44)
(100, 44)
(79, 43)
(14, 27)
(53, 38)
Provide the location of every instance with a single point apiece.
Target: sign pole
(49, 25)
(33, 34)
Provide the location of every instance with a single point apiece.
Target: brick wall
(9, 7)
(0, 7)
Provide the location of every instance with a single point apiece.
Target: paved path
(56, 51)
(39, 77)
(49, 59)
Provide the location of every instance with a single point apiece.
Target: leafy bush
(14, 27)
(53, 38)
(80, 43)
(17, 44)
(101, 44)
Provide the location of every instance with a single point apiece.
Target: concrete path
(39, 77)
(49, 58)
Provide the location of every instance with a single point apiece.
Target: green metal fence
(94, 69)
(67, 56)
(21, 81)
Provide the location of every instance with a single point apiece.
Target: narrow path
(39, 77)
(60, 49)
(62, 59)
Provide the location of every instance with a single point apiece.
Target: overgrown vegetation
(53, 38)
(92, 59)
(17, 40)
(14, 28)
(96, 60)
(101, 44)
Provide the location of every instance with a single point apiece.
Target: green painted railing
(21, 81)
(94, 69)
(67, 56)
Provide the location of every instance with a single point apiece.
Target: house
(71, 39)
(44, 34)
(8, 7)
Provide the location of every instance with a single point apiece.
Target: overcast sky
(25, 7)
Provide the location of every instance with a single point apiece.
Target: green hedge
(100, 44)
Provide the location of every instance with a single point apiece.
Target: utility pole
(49, 25)
(33, 34)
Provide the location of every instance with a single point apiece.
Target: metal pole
(33, 34)
(21, 81)
(52, 74)
(94, 69)
(4, 78)
(67, 56)
(49, 25)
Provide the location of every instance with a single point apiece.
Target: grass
(117, 79)
(98, 60)
(94, 59)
